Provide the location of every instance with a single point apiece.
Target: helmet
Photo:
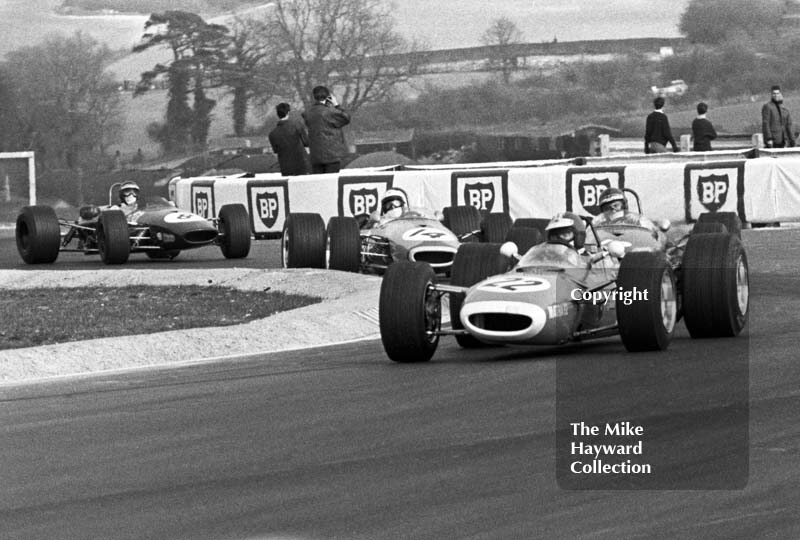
(393, 203)
(566, 222)
(128, 187)
(613, 194)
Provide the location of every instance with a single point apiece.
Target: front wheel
(409, 312)
(113, 238)
(646, 301)
(344, 244)
(303, 241)
(234, 228)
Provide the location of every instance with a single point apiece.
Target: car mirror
(510, 250)
(616, 249)
(663, 224)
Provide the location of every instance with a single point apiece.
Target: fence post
(686, 142)
(758, 140)
(604, 144)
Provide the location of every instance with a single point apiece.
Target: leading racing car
(158, 229)
(556, 294)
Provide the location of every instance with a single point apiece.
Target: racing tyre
(716, 286)
(303, 241)
(113, 239)
(534, 223)
(410, 312)
(164, 254)
(38, 234)
(473, 263)
(646, 325)
(730, 219)
(495, 227)
(344, 244)
(524, 237)
(234, 228)
(463, 221)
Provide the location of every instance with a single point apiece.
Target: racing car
(354, 244)
(553, 295)
(158, 229)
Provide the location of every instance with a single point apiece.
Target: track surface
(338, 442)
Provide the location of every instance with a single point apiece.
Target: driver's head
(393, 204)
(129, 193)
(568, 229)
(613, 203)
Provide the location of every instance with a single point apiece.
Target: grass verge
(34, 317)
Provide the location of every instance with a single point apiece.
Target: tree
(199, 54)
(67, 104)
(347, 45)
(714, 21)
(501, 35)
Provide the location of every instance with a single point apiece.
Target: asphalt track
(339, 442)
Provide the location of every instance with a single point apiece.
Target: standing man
(702, 130)
(776, 122)
(325, 120)
(289, 141)
(657, 132)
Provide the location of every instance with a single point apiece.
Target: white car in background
(675, 88)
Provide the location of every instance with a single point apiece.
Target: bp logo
(363, 201)
(480, 195)
(267, 207)
(589, 192)
(712, 191)
(202, 205)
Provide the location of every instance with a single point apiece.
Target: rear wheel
(646, 324)
(730, 219)
(716, 286)
(410, 312)
(38, 234)
(708, 227)
(303, 241)
(495, 227)
(344, 244)
(113, 238)
(463, 221)
(234, 228)
(473, 263)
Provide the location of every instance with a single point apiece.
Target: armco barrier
(678, 187)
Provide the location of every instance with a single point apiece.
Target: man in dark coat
(325, 120)
(703, 131)
(776, 122)
(289, 141)
(657, 132)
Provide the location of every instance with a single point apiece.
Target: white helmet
(127, 188)
(393, 203)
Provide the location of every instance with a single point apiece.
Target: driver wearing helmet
(129, 197)
(394, 204)
(614, 207)
(567, 229)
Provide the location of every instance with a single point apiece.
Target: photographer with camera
(325, 120)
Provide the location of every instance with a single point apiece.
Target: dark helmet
(126, 188)
(613, 194)
(568, 221)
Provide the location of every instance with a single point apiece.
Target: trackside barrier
(762, 189)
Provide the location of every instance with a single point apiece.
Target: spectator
(776, 122)
(657, 132)
(139, 157)
(289, 141)
(703, 131)
(325, 120)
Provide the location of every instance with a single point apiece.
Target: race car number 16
(515, 284)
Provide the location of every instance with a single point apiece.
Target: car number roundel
(425, 234)
(515, 284)
(181, 217)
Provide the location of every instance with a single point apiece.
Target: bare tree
(68, 105)
(501, 35)
(347, 45)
